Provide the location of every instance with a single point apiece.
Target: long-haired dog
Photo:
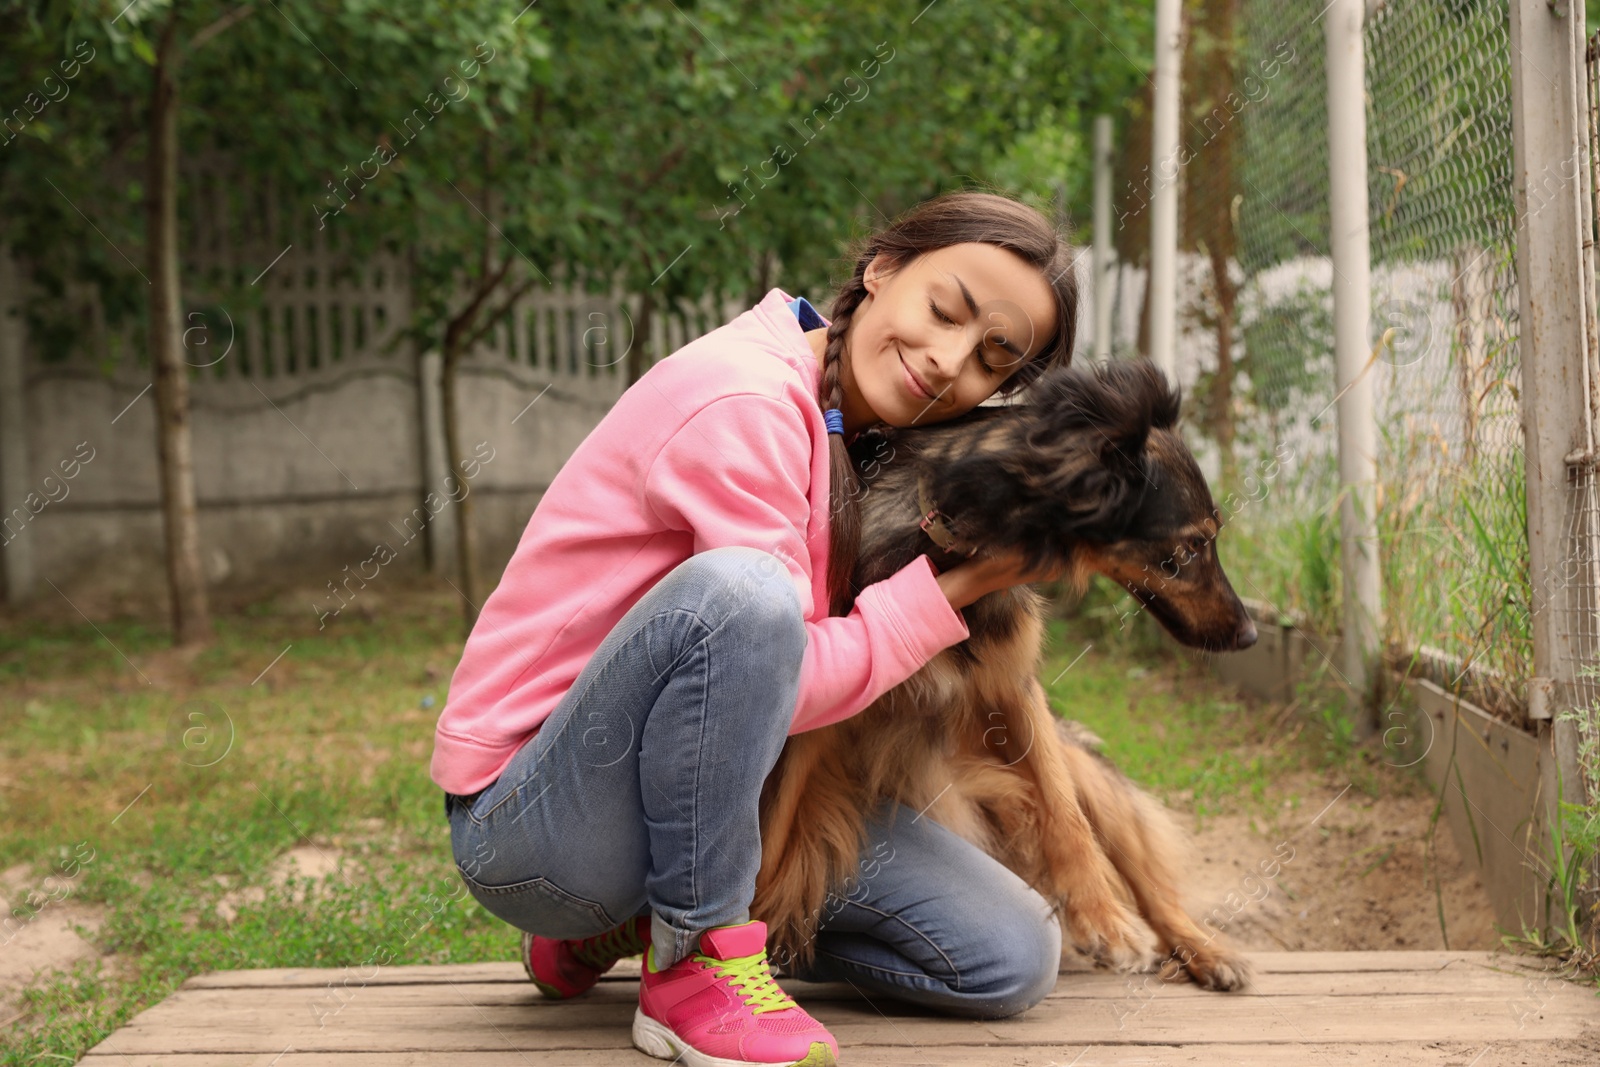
(1089, 472)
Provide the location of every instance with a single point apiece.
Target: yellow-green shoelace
(749, 974)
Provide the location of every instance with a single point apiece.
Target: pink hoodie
(720, 443)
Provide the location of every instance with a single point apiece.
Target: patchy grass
(174, 780)
(1198, 745)
(166, 783)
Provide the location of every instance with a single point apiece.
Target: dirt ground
(49, 939)
(1359, 877)
(1354, 877)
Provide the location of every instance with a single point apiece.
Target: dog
(1088, 472)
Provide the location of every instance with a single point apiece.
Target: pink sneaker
(719, 1007)
(563, 969)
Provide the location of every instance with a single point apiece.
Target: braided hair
(950, 219)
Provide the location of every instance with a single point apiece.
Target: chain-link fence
(1581, 620)
(1287, 552)
(1444, 370)
(1485, 438)
(1442, 227)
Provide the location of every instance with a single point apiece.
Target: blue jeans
(639, 796)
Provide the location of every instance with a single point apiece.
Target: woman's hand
(966, 582)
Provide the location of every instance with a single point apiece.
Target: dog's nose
(1247, 634)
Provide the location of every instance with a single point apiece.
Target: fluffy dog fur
(1089, 471)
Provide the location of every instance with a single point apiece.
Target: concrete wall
(296, 477)
(316, 424)
(1491, 775)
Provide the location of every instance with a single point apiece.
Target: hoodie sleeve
(737, 472)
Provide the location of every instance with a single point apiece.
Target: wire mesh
(1445, 372)
(1580, 617)
(1580, 621)
(1288, 544)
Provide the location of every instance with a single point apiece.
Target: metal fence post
(1102, 238)
(1163, 281)
(1352, 298)
(1547, 139)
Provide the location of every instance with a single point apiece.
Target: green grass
(335, 733)
(1280, 544)
(1452, 551)
(1182, 746)
(108, 773)
(1171, 727)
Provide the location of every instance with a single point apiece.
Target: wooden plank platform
(1472, 1009)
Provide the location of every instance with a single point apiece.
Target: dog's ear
(1068, 462)
(1096, 420)
(1121, 399)
(1133, 378)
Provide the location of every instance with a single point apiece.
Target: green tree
(672, 150)
(242, 80)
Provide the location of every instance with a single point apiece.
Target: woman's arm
(975, 578)
(738, 472)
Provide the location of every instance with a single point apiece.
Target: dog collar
(937, 524)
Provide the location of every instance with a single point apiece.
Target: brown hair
(951, 219)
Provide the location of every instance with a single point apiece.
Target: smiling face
(937, 337)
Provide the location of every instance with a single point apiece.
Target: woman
(680, 603)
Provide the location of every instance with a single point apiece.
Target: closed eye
(942, 317)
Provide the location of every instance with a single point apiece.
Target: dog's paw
(1213, 968)
(1114, 937)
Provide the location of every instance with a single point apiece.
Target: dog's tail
(1150, 852)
